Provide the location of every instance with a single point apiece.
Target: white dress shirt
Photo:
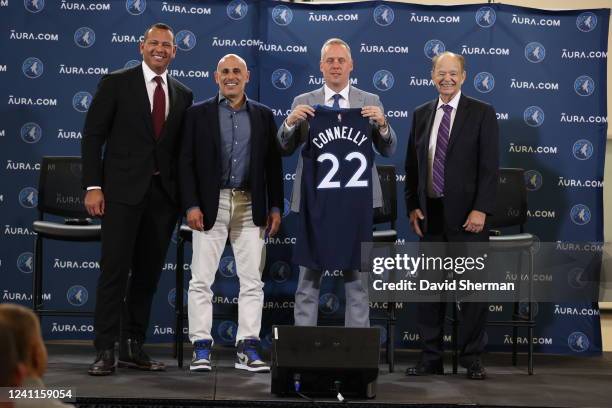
(434, 138)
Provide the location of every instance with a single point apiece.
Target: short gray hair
(335, 41)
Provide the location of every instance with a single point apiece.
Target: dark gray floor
(559, 381)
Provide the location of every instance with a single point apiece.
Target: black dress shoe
(433, 368)
(131, 355)
(476, 371)
(104, 364)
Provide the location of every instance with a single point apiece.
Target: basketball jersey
(336, 190)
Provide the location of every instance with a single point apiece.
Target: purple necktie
(441, 147)
(159, 108)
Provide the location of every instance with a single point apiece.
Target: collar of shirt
(149, 74)
(329, 93)
(223, 100)
(453, 102)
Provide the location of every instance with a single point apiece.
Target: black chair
(510, 213)
(60, 194)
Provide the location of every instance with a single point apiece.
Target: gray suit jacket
(290, 141)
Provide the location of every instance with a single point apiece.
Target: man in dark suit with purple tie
(451, 182)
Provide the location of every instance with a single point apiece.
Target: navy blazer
(200, 161)
(472, 161)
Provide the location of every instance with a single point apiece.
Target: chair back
(388, 185)
(511, 206)
(60, 191)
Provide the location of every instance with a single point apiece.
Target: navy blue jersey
(336, 190)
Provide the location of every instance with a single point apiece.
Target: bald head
(232, 76)
(447, 54)
(235, 57)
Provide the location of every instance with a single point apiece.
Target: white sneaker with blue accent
(201, 356)
(247, 357)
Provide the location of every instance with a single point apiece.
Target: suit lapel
(429, 117)
(318, 97)
(356, 98)
(256, 143)
(172, 112)
(462, 113)
(139, 89)
(211, 116)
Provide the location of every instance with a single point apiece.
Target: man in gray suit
(336, 66)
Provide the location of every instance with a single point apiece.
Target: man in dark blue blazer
(451, 183)
(231, 186)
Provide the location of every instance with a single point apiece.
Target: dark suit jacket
(119, 119)
(472, 161)
(200, 161)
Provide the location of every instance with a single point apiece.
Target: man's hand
(94, 202)
(475, 221)
(299, 113)
(376, 114)
(195, 219)
(416, 215)
(273, 223)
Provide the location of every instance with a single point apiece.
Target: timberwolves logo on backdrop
(578, 342)
(28, 197)
(131, 64)
(580, 214)
(533, 116)
(576, 278)
(329, 303)
(485, 17)
(286, 207)
(280, 271)
(282, 15)
(484, 82)
(76, 169)
(584, 85)
(172, 297)
(227, 266)
(535, 52)
(586, 22)
(135, 7)
(32, 67)
(383, 80)
(384, 15)
(81, 101)
(383, 333)
(433, 48)
(34, 6)
(282, 79)
(582, 149)
(237, 9)
(31, 132)
(77, 295)
(84, 37)
(227, 331)
(524, 308)
(25, 262)
(533, 180)
(185, 40)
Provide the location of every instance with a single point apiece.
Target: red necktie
(159, 108)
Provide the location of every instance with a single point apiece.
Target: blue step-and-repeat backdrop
(544, 71)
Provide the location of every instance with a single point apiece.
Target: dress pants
(357, 311)
(135, 240)
(472, 316)
(234, 219)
